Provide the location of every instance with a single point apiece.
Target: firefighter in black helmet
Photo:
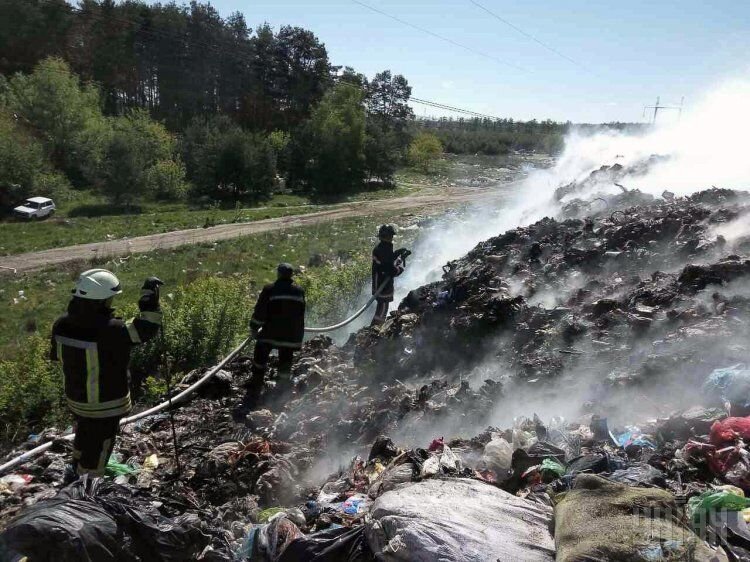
(94, 348)
(386, 265)
(278, 322)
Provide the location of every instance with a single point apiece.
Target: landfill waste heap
(575, 389)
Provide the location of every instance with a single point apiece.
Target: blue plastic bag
(730, 384)
(634, 437)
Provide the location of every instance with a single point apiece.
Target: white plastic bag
(498, 455)
(458, 520)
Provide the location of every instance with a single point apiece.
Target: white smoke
(706, 147)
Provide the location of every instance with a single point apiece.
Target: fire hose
(354, 316)
(28, 455)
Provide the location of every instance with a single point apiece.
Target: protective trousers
(380, 312)
(93, 444)
(260, 361)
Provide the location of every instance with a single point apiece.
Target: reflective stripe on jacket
(94, 348)
(280, 315)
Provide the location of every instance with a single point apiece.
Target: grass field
(208, 298)
(32, 301)
(88, 218)
(73, 227)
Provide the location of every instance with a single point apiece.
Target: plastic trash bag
(699, 507)
(332, 545)
(739, 473)
(731, 531)
(455, 519)
(595, 463)
(391, 478)
(383, 448)
(551, 467)
(729, 384)
(634, 437)
(114, 468)
(639, 475)
(63, 530)
(729, 429)
(267, 542)
(266, 515)
(14, 482)
(94, 521)
(446, 462)
(498, 455)
(522, 460)
(355, 505)
(449, 461)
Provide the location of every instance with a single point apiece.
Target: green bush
(154, 390)
(64, 113)
(137, 145)
(54, 185)
(202, 322)
(424, 150)
(31, 391)
(226, 162)
(21, 158)
(166, 180)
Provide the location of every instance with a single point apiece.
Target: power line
(441, 37)
(528, 35)
(428, 103)
(454, 109)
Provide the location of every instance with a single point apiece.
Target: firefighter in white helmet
(94, 348)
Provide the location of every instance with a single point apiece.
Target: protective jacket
(386, 265)
(94, 348)
(279, 316)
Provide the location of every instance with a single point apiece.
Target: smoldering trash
(576, 389)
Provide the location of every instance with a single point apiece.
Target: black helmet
(285, 270)
(387, 231)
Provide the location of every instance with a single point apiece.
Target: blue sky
(632, 50)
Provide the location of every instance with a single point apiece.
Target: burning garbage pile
(625, 331)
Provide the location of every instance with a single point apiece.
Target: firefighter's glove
(403, 253)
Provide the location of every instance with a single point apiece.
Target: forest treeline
(163, 100)
(172, 101)
(500, 136)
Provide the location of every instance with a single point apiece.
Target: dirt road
(48, 258)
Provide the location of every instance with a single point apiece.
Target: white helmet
(97, 285)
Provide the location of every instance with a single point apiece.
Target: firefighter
(94, 348)
(278, 322)
(386, 265)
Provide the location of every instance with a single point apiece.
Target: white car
(35, 208)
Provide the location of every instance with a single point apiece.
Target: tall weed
(31, 391)
(202, 322)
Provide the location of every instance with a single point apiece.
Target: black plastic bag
(639, 475)
(95, 521)
(64, 530)
(383, 448)
(595, 463)
(333, 545)
(523, 460)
